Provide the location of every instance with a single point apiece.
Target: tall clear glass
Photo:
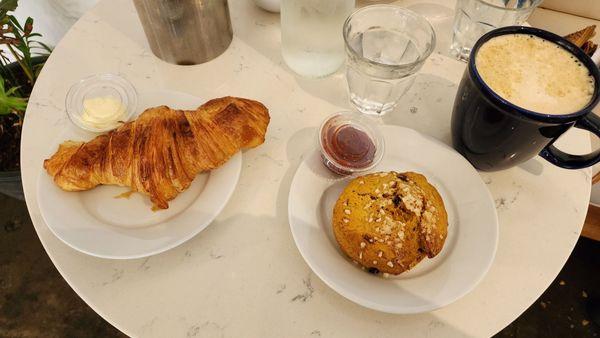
(311, 35)
(385, 46)
(473, 18)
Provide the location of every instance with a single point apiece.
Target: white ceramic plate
(467, 254)
(98, 224)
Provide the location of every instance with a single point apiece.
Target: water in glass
(311, 38)
(386, 46)
(474, 18)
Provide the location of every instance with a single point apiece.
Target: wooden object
(591, 227)
(582, 39)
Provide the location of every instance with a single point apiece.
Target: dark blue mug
(495, 134)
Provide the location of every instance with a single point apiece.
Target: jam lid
(350, 142)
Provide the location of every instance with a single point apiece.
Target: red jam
(347, 147)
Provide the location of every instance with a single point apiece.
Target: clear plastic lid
(350, 143)
(110, 88)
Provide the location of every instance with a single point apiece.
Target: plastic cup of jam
(350, 143)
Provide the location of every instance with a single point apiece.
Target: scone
(388, 222)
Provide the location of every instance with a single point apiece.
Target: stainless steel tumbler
(186, 32)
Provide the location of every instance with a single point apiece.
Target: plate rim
(236, 159)
(395, 310)
(155, 251)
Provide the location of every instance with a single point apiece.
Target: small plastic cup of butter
(350, 143)
(100, 103)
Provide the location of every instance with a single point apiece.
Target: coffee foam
(535, 74)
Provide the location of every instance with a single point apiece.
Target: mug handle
(591, 123)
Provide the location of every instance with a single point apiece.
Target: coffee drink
(523, 88)
(534, 74)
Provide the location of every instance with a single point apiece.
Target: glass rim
(411, 13)
(511, 9)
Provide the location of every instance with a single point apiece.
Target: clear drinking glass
(473, 18)
(311, 43)
(385, 46)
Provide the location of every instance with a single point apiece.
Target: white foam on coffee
(535, 74)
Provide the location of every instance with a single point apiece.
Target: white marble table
(242, 276)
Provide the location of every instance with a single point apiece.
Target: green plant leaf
(10, 102)
(28, 27)
(17, 38)
(8, 5)
(15, 22)
(4, 58)
(12, 90)
(37, 69)
(44, 46)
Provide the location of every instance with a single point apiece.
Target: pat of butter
(102, 112)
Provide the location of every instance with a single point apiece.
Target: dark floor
(36, 302)
(567, 306)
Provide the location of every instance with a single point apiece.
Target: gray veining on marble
(245, 267)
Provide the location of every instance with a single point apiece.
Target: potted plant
(21, 60)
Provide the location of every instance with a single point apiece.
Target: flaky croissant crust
(161, 152)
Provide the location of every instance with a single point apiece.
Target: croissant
(582, 39)
(582, 36)
(161, 152)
